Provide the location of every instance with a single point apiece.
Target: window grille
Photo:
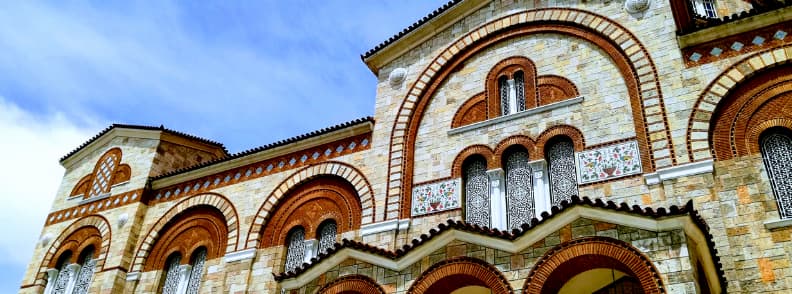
(171, 284)
(519, 84)
(519, 189)
(85, 276)
(777, 155)
(503, 84)
(327, 235)
(477, 199)
(199, 259)
(295, 253)
(561, 166)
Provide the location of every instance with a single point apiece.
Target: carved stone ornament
(45, 239)
(122, 219)
(396, 76)
(636, 6)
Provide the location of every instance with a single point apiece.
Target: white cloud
(30, 175)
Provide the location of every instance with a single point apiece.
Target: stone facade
(655, 200)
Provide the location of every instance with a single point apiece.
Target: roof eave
(400, 45)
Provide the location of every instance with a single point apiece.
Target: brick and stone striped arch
(698, 131)
(516, 140)
(455, 273)
(578, 141)
(626, 52)
(569, 259)
(459, 160)
(354, 284)
(214, 200)
(330, 168)
(94, 223)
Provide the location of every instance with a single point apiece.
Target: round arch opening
(464, 275)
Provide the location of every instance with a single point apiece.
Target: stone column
(498, 218)
(74, 271)
(52, 277)
(184, 278)
(541, 187)
(311, 248)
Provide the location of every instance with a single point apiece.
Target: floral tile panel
(435, 197)
(608, 162)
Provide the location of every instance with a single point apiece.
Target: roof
(144, 128)
(410, 28)
(516, 233)
(263, 148)
(759, 7)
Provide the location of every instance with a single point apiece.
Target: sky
(238, 72)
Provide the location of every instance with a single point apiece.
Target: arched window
(104, 173)
(327, 235)
(776, 146)
(512, 93)
(295, 253)
(171, 284)
(561, 166)
(85, 276)
(477, 198)
(198, 261)
(64, 274)
(519, 187)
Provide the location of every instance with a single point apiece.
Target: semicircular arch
(354, 284)
(97, 222)
(214, 200)
(605, 251)
(698, 129)
(459, 272)
(331, 168)
(625, 50)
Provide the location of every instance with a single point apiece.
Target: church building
(517, 146)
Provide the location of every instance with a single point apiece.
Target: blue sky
(242, 73)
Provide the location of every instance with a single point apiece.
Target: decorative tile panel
(608, 162)
(435, 197)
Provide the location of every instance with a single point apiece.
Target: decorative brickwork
(472, 111)
(554, 88)
(455, 273)
(626, 51)
(347, 172)
(553, 132)
(221, 229)
(507, 68)
(756, 40)
(762, 100)
(354, 284)
(571, 258)
(196, 227)
(731, 80)
(484, 151)
(90, 230)
(94, 207)
(516, 140)
(308, 205)
(299, 159)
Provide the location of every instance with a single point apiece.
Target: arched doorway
(593, 265)
(463, 275)
(355, 284)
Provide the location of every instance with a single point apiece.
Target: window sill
(505, 118)
(778, 224)
(95, 198)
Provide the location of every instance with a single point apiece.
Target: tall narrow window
(503, 84)
(198, 261)
(85, 276)
(519, 85)
(327, 235)
(477, 199)
(295, 253)
(561, 166)
(171, 284)
(777, 154)
(64, 274)
(519, 189)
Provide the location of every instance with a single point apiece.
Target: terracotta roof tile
(516, 233)
(142, 127)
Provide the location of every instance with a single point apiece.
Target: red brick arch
(625, 50)
(729, 82)
(310, 204)
(354, 284)
(571, 258)
(472, 111)
(752, 140)
(483, 150)
(516, 140)
(90, 230)
(508, 67)
(455, 273)
(213, 200)
(766, 96)
(199, 226)
(578, 141)
(331, 168)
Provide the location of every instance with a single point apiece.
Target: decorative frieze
(437, 196)
(608, 162)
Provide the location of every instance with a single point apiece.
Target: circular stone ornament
(636, 6)
(396, 76)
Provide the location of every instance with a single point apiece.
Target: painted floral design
(609, 162)
(434, 197)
